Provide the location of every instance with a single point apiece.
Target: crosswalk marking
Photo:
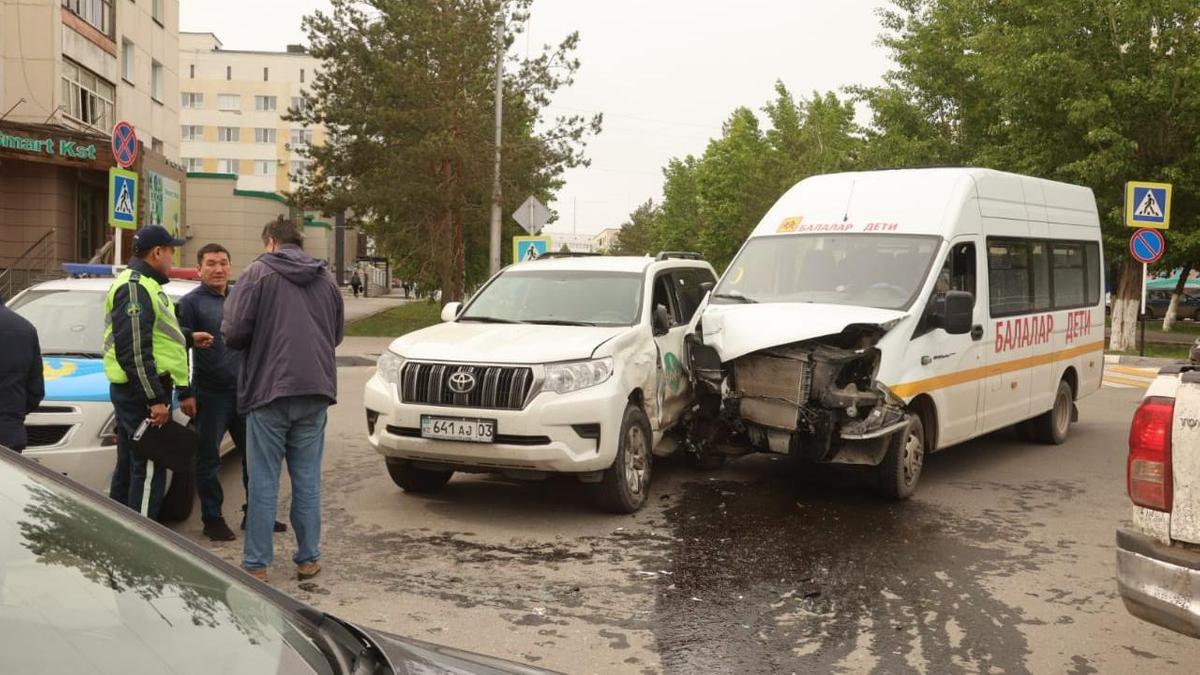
(1128, 377)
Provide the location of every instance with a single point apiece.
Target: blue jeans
(129, 476)
(216, 413)
(293, 429)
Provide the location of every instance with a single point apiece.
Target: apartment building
(69, 70)
(605, 240)
(232, 107)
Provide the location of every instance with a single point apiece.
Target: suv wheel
(1052, 426)
(901, 467)
(626, 483)
(412, 479)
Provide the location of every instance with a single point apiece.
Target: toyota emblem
(462, 382)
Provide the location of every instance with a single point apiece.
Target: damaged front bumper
(815, 399)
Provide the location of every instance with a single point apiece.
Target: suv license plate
(458, 429)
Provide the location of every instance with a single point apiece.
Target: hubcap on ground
(636, 460)
(914, 450)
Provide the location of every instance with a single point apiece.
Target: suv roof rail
(681, 255)
(568, 254)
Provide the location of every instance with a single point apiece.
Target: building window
(192, 100)
(300, 138)
(301, 76)
(229, 72)
(229, 102)
(227, 166)
(127, 65)
(265, 103)
(228, 134)
(87, 97)
(156, 145)
(158, 12)
(156, 81)
(266, 75)
(298, 103)
(98, 13)
(264, 167)
(264, 136)
(193, 164)
(191, 132)
(299, 169)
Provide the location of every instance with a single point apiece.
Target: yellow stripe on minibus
(908, 389)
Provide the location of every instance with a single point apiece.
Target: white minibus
(874, 317)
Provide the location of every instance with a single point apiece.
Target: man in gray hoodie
(286, 315)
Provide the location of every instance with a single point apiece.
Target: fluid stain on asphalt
(769, 577)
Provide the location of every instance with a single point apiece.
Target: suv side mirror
(450, 311)
(707, 286)
(661, 320)
(959, 312)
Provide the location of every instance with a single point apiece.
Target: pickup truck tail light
(1149, 465)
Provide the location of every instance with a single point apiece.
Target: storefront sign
(49, 146)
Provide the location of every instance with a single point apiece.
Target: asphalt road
(1003, 562)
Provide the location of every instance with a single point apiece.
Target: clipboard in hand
(172, 445)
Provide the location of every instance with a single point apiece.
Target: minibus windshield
(867, 270)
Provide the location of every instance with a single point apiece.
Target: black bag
(172, 445)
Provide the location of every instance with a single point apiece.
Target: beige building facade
(69, 70)
(232, 107)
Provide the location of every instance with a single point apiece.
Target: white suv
(1158, 556)
(567, 365)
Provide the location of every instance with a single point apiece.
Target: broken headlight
(562, 378)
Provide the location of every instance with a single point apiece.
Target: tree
(1074, 90)
(635, 237)
(406, 95)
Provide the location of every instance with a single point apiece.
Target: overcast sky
(665, 73)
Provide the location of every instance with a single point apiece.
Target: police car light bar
(77, 270)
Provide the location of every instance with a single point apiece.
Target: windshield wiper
(488, 319)
(736, 296)
(347, 647)
(74, 355)
(560, 322)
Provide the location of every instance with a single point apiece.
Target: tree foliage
(406, 93)
(635, 237)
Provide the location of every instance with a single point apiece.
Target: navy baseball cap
(153, 235)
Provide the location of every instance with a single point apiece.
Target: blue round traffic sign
(1147, 245)
(124, 144)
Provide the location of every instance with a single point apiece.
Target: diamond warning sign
(122, 198)
(1148, 205)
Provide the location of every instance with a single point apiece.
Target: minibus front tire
(900, 469)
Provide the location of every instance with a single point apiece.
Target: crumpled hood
(737, 330)
(467, 342)
(294, 264)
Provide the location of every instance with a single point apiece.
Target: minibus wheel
(901, 467)
(1052, 426)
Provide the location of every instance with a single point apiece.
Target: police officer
(145, 357)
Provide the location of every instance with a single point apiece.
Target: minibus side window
(1092, 249)
(957, 274)
(1009, 278)
(1041, 276)
(1070, 275)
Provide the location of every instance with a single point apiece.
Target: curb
(1144, 361)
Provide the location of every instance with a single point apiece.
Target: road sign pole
(117, 247)
(1142, 348)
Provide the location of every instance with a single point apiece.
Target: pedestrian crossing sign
(1148, 204)
(122, 198)
(529, 248)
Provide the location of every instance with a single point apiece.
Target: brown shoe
(308, 570)
(258, 573)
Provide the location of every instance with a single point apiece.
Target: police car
(73, 432)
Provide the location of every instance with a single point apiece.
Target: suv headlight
(108, 434)
(389, 366)
(562, 378)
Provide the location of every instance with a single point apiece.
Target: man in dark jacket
(214, 382)
(286, 315)
(21, 386)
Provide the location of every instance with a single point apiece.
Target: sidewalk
(361, 308)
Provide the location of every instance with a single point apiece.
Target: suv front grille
(46, 435)
(496, 387)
